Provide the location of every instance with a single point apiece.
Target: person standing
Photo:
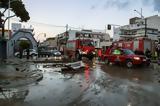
(158, 49)
(62, 50)
(109, 49)
(158, 53)
(20, 53)
(99, 54)
(148, 53)
(27, 53)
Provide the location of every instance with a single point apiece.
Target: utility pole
(9, 5)
(3, 42)
(105, 29)
(141, 13)
(66, 27)
(145, 27)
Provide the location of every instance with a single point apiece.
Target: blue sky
(89, 14)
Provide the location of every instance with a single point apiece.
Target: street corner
(13, 76)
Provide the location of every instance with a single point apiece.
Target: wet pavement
(96, 85)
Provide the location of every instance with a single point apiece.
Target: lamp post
(140, 13)
(9, 6)
(3, 41)
(145, 21)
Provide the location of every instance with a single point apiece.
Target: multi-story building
(50, 42)
(148, 27)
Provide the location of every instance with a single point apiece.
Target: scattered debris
(69, 67)
(18, 73)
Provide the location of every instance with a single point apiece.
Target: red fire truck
(78, 44)
(140, 44)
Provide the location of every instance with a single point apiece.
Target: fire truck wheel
(129, 64)
(91, 57)
(148, 64)
(106, 61)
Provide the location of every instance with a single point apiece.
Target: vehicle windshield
(56, 52)
(128, 52)
(87, 43)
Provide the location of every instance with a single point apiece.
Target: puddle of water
(95, 85)
(134, 74)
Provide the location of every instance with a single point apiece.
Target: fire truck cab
(78, 44)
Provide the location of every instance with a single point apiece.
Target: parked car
(32, 52)
(125, 56)
(43, 51)
(56, 55)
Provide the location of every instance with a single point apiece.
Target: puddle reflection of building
(8, 96)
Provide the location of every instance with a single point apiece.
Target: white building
(147, 27)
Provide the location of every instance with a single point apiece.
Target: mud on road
(95, 85)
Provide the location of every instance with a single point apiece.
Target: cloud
(117, 3)
(120, 4)
(156, 4)
(93, 7)
(123, 4)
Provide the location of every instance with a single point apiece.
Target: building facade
(148, 27)
(50, 42)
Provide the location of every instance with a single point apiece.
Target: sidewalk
(17, 72)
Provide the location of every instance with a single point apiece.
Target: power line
(51, 25)
(45, 24)
(60, 26)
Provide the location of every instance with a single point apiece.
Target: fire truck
(77, 44)
(140, 44)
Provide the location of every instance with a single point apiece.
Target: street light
(3, 42)
(9, 6)
(140, 13)
(145, 21)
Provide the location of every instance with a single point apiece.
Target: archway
(16, 36)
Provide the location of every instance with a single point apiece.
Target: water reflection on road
(136, 73)
(96, 85)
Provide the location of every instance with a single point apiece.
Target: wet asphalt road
(96, 85)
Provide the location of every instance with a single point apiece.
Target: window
(77, 35)
(128, 52)
(71, 45)
(87, 43)
(95, 43)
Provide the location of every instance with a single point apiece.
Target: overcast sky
(89, 14)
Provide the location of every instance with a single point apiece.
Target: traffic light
(1, 20)
(1, 23)
(109, 27)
